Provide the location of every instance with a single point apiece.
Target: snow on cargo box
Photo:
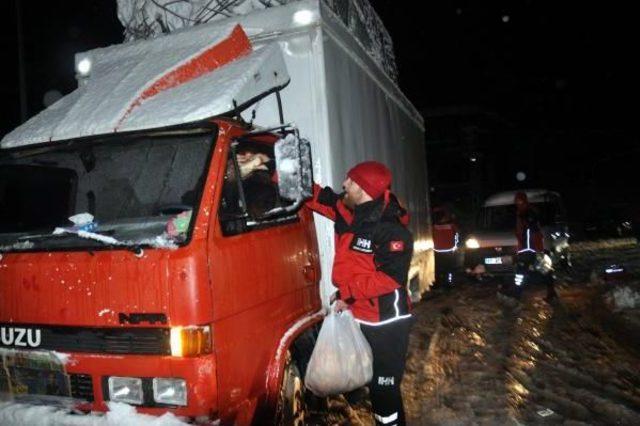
(332, 89)
(181, 78)
(337, 95)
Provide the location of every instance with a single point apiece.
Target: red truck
(153, 245)
(169, 337)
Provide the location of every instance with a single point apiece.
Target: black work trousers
(389, 344)
(446, 265)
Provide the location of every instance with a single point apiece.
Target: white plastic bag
(341, 360)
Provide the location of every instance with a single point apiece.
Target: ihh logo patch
(363, 244)
(386, 381)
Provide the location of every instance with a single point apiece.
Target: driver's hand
(249, 162)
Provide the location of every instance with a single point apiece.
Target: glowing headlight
(190, 341)
(472, 243)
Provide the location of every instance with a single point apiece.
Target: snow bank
(21, 245)
(14, 414)
(622, 298)
(582, 246)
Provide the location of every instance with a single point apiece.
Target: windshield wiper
(86, 235)
(38, 237)
(64, 232)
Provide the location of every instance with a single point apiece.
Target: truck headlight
(126, 389)
(170, 391)
(472, 243)
(190, 341)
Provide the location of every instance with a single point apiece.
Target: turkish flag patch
(396, 246)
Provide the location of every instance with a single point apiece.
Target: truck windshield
(134, 191)
(503, 218)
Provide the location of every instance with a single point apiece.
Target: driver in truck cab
(257, 174)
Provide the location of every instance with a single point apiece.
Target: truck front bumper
(489, 261)
(88, 376)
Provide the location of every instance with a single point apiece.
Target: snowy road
(475, 359)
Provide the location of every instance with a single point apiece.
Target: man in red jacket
(370, 269)
(446, 237)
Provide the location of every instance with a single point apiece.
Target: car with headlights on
(491, 248)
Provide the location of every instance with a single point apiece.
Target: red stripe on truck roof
(228, 50)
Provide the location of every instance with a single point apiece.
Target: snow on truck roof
(506, 198)
(185, 77)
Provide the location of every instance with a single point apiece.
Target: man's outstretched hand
(249, 162)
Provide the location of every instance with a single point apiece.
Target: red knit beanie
(373, 177)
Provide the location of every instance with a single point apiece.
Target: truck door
(259, 270)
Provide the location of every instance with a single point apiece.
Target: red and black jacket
(445, 237)
(373, 254)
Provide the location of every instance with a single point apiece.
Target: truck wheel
(291, 405)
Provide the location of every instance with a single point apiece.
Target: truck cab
(179, 290)
(491, 248)
(154, 248)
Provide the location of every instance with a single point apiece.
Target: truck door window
(247, 200)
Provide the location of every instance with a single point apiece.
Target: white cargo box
(339, 98)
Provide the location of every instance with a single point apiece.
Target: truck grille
(121, 341)
(81, 386)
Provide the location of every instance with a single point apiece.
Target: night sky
(561, 74)
(552, 66)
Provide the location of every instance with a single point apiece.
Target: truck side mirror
(294, 168)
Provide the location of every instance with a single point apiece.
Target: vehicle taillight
(190, 341)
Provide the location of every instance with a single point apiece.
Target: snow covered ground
(119, 415)
(476, 359)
